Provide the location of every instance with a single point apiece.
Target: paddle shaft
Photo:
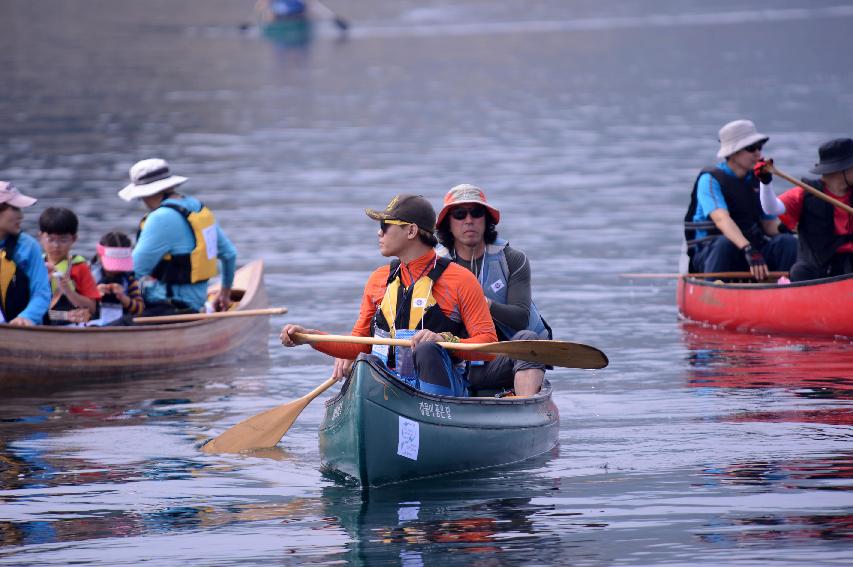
(817, 193)
(741, 275)
(553, 353)
(214, 315)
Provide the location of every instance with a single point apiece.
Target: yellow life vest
(14, 283)
(416, 300)
(7, 272)
(199, 265)
(421, 299)
(63, 267)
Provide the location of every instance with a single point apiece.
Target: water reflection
(415, 524)
(813, 368)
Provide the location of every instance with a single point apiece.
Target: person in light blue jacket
(179, 247)
(24, 284)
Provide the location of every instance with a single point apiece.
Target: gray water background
(585, 122)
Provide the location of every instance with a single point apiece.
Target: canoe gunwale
(766, 286)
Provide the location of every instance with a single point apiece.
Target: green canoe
(380, 431)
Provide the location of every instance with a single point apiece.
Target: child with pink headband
(113, 271)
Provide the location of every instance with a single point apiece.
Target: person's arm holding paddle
(344, 353)
(726, 225)
(227, 254)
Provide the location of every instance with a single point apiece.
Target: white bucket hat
(737, 135)
(149, 177)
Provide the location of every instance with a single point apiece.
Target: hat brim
(133, 191)
(496, 214)
(21, 201)
(832, 167)
(726, 151)
(378, 215)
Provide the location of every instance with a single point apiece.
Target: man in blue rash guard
(179, 245)
(724, 227)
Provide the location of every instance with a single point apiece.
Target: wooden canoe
(380, 431)
(57, 355)
(821, 308)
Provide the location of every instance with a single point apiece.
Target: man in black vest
(826, 231)
(725, 228)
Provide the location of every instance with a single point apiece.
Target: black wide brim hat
(835, 155)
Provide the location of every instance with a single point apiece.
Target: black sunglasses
(756, 147)
(462, 212)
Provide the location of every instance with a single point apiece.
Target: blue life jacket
(494, 278)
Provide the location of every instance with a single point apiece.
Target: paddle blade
(265, 429)
(258, 432)
(553, 353)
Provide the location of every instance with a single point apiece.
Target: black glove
(762, 173)
(753, 257)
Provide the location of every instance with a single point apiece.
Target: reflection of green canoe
(289, 31)
(380, 431)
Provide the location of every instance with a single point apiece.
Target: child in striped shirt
(113, 270)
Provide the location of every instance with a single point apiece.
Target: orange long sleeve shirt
(456, 291)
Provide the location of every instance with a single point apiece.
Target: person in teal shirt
(180, 246)
(24, 285)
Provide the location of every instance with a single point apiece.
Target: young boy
(24, 289)
(75, 293)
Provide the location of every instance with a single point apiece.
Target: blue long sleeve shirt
(28, 258)
(166, 231)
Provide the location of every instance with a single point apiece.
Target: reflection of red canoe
(816, 308)
(813, 367)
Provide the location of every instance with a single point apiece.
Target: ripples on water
(586, 124)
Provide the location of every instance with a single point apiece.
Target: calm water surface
(585, 122)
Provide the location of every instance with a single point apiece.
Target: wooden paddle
(215, 315)
(731, 275)
(552, 353)
(817, 193)
(265, 429)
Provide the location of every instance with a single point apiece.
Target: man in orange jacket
(419, 296)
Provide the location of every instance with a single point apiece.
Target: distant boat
(380, 431)
(821, 307)
(62, 355)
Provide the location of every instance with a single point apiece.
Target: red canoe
(815, 308)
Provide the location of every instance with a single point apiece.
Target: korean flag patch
(419, 303)
(497, 286)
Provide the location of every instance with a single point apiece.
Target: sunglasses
(383, 225)
(756, 147)
(462, 212)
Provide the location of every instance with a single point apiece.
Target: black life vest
(816, 228)
(14, 283)
(744, 205)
